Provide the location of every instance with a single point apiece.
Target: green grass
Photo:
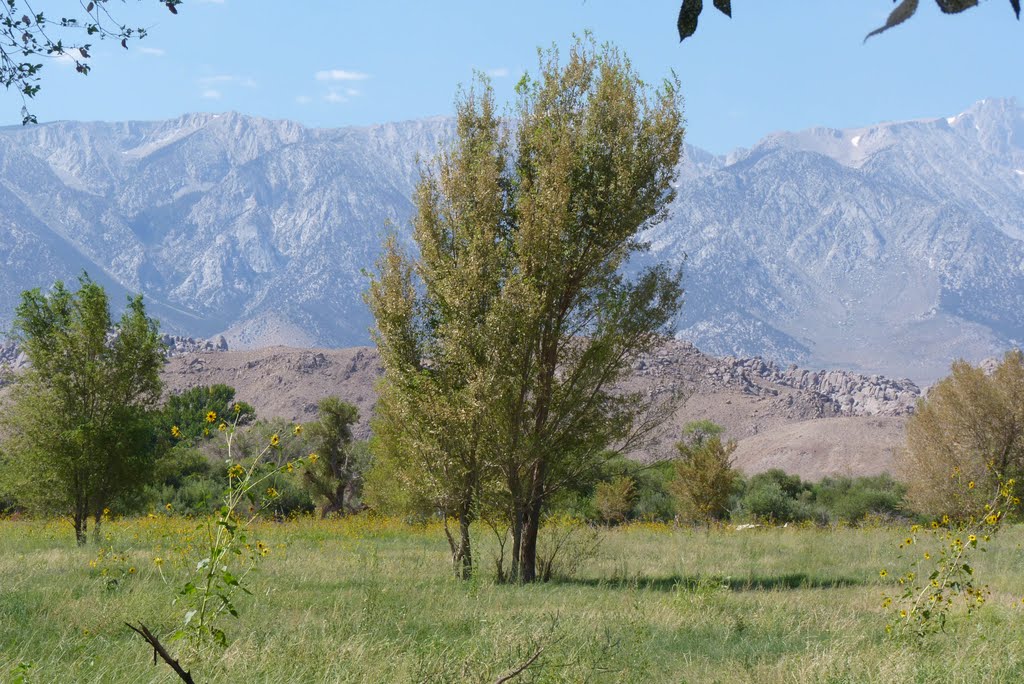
(372, 601)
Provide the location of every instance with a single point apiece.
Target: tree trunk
(96, 519)
(464, 548)
(81, 521)
(517, 542)
(528, 553)
(462, 553)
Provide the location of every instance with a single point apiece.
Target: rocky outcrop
(177, 344)
(819, 394)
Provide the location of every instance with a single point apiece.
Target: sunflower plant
(226, 552)
(941, 573)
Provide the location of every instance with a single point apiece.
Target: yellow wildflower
(297, 430)
(169, 507)
(223, 426)
(211, 416)
(313, 458)
(271, 493)
(882, 573)
(158, 561)
(274, 440)
(970, 485)
(176, 432)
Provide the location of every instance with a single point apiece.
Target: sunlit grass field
(370, 600)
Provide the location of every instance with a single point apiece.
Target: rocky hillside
(891, 249)
(851, 422)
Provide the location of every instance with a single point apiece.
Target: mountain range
(892, 248)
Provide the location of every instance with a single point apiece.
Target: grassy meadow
(371, 600)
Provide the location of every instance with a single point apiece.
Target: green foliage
(704, 474)
(79, 431)
(504, 340)
(774, 496)
(778, 497)
(852, 499)
(27, 36)
(970, 425)
(334, 478)
(189, 411)
(614, 499)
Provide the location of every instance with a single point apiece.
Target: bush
(774, 496)
(614, 499)
(854, 499)
(970, 429)
(704, 474)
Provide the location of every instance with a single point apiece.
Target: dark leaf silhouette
(955, 6)
(689, 11)
(903, 11)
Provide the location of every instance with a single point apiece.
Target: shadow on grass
(795, 580)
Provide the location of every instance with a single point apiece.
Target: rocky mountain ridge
(890, 249)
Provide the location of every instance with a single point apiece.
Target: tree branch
(158, 649)
(521, 669)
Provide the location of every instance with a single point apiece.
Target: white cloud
(341, 75)
(352, 92)
(155, 52)
(303, 99)
(219, 78)
(499, 72)
(210, 94)
(335, 97)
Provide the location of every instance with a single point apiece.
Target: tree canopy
(79, 434)
(28, 35)
(504, 340)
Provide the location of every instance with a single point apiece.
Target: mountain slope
(891, 248)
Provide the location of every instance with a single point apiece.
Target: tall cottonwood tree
(79, 433)
(504, 340)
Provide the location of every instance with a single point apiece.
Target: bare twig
(158, 649)
(521, 669)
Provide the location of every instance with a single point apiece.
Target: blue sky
(786, 64)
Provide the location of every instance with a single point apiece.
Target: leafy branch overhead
(689, 13)
(26, 36)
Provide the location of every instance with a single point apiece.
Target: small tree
(970, 427)
(79, 432)
(704, 473)
(335, 477)
(614, 499)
